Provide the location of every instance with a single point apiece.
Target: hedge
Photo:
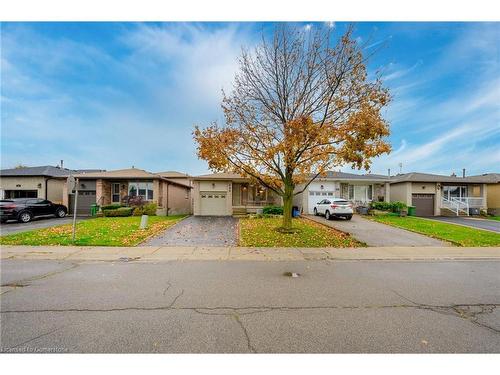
(113, 206)
(272, 210)
(119, 212)
(389, 206)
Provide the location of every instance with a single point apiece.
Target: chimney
(389, 172)
(463, 172)
(62, 164)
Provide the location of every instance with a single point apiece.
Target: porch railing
(462, 204)
(455, 205)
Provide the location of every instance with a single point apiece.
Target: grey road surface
(199, 231)
(471, 222)
(37, 223)
(378, 234)
(247, 306)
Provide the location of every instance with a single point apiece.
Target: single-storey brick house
(226, 194)
(359, 189)
(172, 196)
(45, 182)
(435, 195)
(492, 191)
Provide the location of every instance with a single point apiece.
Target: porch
(250, 198)
(463, 200)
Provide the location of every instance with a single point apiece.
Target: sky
(116, 95)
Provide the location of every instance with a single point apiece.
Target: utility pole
(74, 209)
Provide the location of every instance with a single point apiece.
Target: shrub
(119, 212)
(272, 210)
(113, 206)
(147, 209)
(389, 206)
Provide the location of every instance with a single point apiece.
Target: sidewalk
(155, 253)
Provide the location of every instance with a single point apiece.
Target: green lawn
(103, 231)
(456, 234)
(497, 218)
(261, 232)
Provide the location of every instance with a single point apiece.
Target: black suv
(25, 209)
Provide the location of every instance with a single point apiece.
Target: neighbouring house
(226, 194)
(359, 189)
(172, 196)
(435, 195)
(492, 191)
(35, 182)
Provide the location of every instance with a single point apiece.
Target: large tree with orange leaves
(301, 104)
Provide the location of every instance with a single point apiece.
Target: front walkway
(472, 222)
(199, 231)
(377, 234)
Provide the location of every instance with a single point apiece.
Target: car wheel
(315, 212)
(348, 217)
(327, 215)
(25, 217)
(60, 213)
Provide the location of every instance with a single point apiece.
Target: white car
(334, 207)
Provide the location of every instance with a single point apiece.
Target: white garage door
(317, 196)
(213, 203)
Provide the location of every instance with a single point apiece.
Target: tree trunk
(287, 208)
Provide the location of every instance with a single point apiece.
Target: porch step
(239, 212)
(448, 212)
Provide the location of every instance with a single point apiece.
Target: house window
(115, 193)
(141, 189)
(370, 192)
(351, 192)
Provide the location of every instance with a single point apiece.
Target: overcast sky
(113, 95)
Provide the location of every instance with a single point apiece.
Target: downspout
(167, 197)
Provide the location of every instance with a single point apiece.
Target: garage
(423, 203)
(213, 203)
(317, 196)
(86, 198)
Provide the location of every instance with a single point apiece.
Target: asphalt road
(41, 222)
(247, 306)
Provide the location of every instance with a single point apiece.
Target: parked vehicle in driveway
(334, 207)
(25, 209)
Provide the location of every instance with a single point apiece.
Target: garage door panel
(85, 200)
(317, 196)
(424, 204)
(213, 203)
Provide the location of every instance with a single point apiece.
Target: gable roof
(120, 173)
(173, 174)
(493, 178)
(334, 175)
(219, 176)
(44, 170)
(428, 177)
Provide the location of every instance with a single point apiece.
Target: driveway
(37, 223)
(471, 222)
(199, 231)
(377, 234)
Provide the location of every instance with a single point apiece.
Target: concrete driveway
(37, 223)
(471, 222)
(199, 231)
(377, 234)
